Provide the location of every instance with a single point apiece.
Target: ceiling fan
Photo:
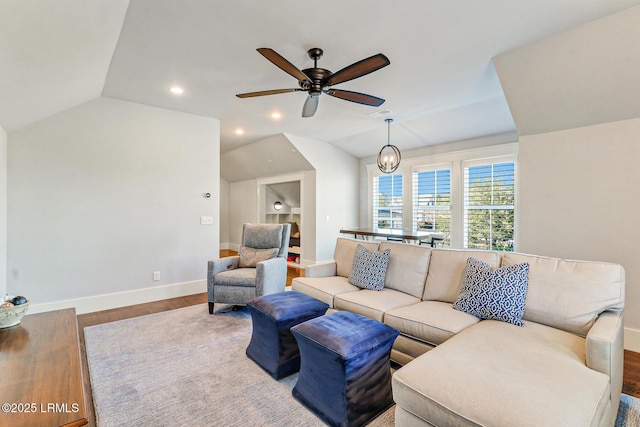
(316, 81)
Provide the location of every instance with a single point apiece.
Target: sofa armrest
(271, 276)
(605, 351)
(322, 269)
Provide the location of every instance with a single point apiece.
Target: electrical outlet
(156, 276)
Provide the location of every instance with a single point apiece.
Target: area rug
(188, 368)
(629, 412)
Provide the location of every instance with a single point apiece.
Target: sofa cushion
(249, 257)
(323, 288)
(369, 268)
(408, 265)
(373, 304)
(446, 271)
(433, 322)
(497, 294)
(570, 295)
(345, 251)
(494, 373)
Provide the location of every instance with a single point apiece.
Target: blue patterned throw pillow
(369, 268)
(494, 294)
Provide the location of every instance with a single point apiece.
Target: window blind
(432, 201)
(489, 206)
(387, 201)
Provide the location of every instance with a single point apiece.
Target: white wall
(3, 212)
(243, 208)
(336, 192)
(102, 195)
(578, 198)
(223, 196)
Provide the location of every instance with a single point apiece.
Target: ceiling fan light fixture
(389, 156)
(316, 81)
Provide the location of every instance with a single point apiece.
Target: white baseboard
(632, 339)
(123, 299)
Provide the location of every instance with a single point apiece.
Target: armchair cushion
(249, 257)
(236, 277)
(262, 236)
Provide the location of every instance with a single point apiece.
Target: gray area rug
(629, 412)
(188, 368)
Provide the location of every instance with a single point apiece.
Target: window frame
(392, 208)
(414, 191)
(488, 162)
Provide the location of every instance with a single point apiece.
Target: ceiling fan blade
(360, 98)
(310, 106)
(266, 92)
(282, 63)
(358, 69)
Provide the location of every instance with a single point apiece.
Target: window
(387, 201)
(489, 205)
(432, 201)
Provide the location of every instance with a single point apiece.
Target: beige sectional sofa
(562, 368)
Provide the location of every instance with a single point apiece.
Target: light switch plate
(206, 220)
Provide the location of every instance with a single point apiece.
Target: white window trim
(455, 159)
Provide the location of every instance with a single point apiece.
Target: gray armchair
(260, 268)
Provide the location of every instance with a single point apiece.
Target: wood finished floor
(630, 386)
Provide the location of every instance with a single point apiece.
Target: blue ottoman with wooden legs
(272, 346)
(345, 373)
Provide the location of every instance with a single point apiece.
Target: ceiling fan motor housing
(317, 76)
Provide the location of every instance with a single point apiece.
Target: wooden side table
(40, 372)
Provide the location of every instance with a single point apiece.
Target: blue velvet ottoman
(345, 375)
(272, 346)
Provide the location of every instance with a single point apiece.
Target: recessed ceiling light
(276, 115)
(239, 131)
(176, 90)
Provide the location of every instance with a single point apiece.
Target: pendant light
(389, 155)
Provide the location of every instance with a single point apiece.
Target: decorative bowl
(11, 316)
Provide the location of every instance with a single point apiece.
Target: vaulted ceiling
(440, 86)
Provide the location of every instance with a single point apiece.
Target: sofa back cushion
(407, 269)
(569, 295)
(344, 252)
(446, 272)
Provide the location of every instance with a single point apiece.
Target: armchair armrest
(605, 351)
(322, 269)
(219, 265)
(271, 276)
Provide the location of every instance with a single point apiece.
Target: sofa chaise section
(498, 374)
